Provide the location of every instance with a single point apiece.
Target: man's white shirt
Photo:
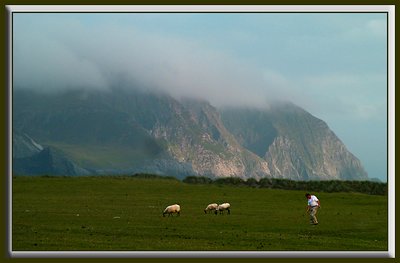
(313, 201)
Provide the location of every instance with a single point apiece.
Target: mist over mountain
(120, 130)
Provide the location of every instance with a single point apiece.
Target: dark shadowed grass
(125, 213)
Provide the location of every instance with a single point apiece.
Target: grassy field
(125, 214)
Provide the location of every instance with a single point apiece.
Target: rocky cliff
(295, 144)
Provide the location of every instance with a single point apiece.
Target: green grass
(125, 213)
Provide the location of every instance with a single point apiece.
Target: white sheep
(210, 207)
(172, 209)
(222, 207)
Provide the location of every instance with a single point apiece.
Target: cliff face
(201, 140)
(299, 147)
(127, 131)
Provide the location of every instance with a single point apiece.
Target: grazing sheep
(210, 207)
(221, 208)
(172, 209)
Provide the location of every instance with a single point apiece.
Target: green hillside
(125, 214)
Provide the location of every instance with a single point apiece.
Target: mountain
(295, 144)
(31, 158)
(129, 130)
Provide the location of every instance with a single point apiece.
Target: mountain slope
(31, 158)
(125, 131)
(128, 131)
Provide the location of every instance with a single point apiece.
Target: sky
(333, 65)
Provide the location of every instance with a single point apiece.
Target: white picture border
(390, 9)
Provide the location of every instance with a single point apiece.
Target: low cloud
(70, 55)
(59, 52)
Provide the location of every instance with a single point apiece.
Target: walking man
(312, 208)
